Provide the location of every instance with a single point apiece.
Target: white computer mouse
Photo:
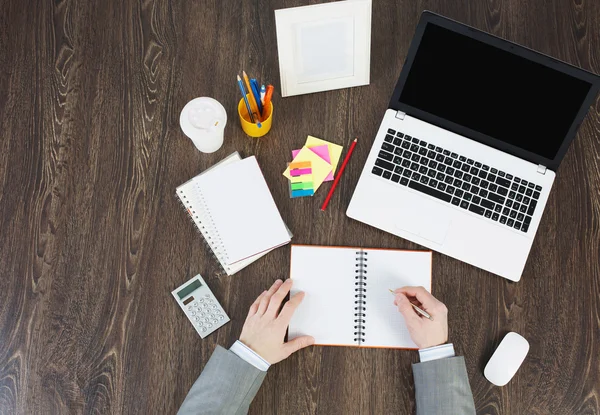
(507, 359)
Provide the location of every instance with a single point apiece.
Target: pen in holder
(251, 128)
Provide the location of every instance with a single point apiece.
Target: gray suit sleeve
(442, 387)
(227, 385)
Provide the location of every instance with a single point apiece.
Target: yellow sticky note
(320, 168)
(335, 150)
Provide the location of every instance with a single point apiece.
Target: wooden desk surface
(92, 239)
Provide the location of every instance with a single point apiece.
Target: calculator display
(189, 289)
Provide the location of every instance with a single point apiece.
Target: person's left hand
(265, 326)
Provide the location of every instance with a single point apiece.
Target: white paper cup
(203, 120)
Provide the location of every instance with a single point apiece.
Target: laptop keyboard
(453, 178)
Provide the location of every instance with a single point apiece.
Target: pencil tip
(355, 140)
(238, 78)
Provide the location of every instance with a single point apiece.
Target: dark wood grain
(92, 240)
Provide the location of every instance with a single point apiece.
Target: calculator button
(197, 318)
(203, 329)
(215, 321)
(211, 315)
(193, 313)
(200, 324)
(195, 303)
(214, 306)
(200, 300)
(209, 325)
(207, 295)
(221, 317)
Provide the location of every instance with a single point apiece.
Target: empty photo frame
(324, 46)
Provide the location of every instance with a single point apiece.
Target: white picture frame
(324, 46)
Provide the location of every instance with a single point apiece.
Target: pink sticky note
(321, 151)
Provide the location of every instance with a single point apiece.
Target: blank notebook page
(244, 215)
(219, 249)
(387, 269)
(327, 276)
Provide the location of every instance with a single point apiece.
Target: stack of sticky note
(301, 179)
(312, 165)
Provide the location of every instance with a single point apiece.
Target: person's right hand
(423, 331)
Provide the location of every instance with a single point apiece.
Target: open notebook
(232, 207)
(348, 302)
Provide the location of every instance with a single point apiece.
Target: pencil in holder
(251, 128)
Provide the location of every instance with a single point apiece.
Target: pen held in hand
(417, 308)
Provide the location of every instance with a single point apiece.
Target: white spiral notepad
(232, 207)
(347, 300)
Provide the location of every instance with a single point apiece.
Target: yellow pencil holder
(251, 128)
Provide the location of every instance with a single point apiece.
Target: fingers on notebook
(299, 343)
(422, 295)
(278, 297)
(254, 306)
(264, 301)
(290, 307)
(406, 309)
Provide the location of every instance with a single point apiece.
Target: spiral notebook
(233, 209)
(347, 301)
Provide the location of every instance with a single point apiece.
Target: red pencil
(337, 177)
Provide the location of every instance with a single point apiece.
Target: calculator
(200, 306)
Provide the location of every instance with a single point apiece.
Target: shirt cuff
(436, 352)
(245, 353)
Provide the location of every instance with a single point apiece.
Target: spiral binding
(204, 229)
(360, 288)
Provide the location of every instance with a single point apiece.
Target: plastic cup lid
(202, 115)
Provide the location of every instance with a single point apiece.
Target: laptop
(468, 149)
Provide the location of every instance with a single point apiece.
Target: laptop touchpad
(425, 219)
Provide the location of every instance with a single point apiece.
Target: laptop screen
(492, 91)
